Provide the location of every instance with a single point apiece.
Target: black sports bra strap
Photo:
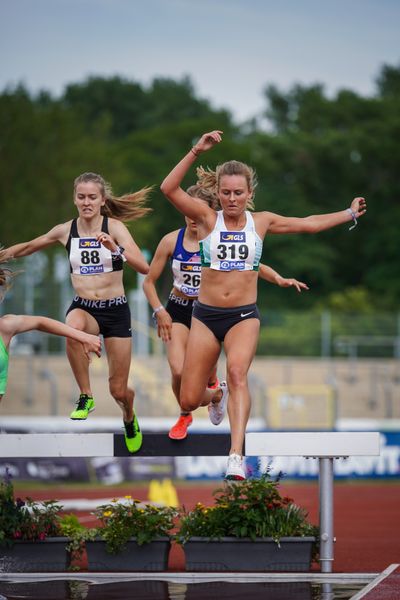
(104, 226)
(73, 232)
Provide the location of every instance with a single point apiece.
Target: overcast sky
(231, 49)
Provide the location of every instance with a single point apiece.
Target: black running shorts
(221, 320)
(180, 309)
(113, 316)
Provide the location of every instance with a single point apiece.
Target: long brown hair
(209, 179)
(128, 207)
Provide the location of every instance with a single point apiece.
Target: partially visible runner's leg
(238, 360)
(176, 348)
(80, 319)
(202, 354)
(119, 359)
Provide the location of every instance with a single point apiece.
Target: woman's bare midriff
(98, 287)
(226, 290)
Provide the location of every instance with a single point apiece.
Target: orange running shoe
(214, 386)
(179, 430)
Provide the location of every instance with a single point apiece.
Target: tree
(320, 152)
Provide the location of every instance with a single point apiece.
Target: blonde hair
(128, 207)
(210, 180)
(196, 191)
(6, 274)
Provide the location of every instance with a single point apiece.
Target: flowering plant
(252, 509)
(26, 520)
(122, 519)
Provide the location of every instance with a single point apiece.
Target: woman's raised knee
(188, 405)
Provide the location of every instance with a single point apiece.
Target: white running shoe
(235, 468)
(216, 410)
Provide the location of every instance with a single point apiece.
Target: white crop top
(225, 250)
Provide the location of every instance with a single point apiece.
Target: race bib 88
(89, 257)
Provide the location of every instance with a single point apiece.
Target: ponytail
(128, 207)
(207, 179)
(197, 191)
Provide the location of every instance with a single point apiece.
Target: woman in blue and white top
(231, 247)
(98, 243)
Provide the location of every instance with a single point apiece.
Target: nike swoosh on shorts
(246, 314)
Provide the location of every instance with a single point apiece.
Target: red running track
(366, 517)
(388, 589)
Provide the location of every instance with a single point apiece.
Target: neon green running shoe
(133, 435)
(84, 406)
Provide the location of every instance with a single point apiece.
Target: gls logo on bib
(232, 236)
(190, 267)
(89, 243)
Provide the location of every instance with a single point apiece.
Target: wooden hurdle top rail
(309, 444)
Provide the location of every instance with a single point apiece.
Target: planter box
(244, 554)
(148, 557)
(45, 556)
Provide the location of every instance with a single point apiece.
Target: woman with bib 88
(98, 243)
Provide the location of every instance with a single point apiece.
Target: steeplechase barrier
(322, 446)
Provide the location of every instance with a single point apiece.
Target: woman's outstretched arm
(316, 223)
(161, 256)
(11, 325)
(272, 276)
(26, 248)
